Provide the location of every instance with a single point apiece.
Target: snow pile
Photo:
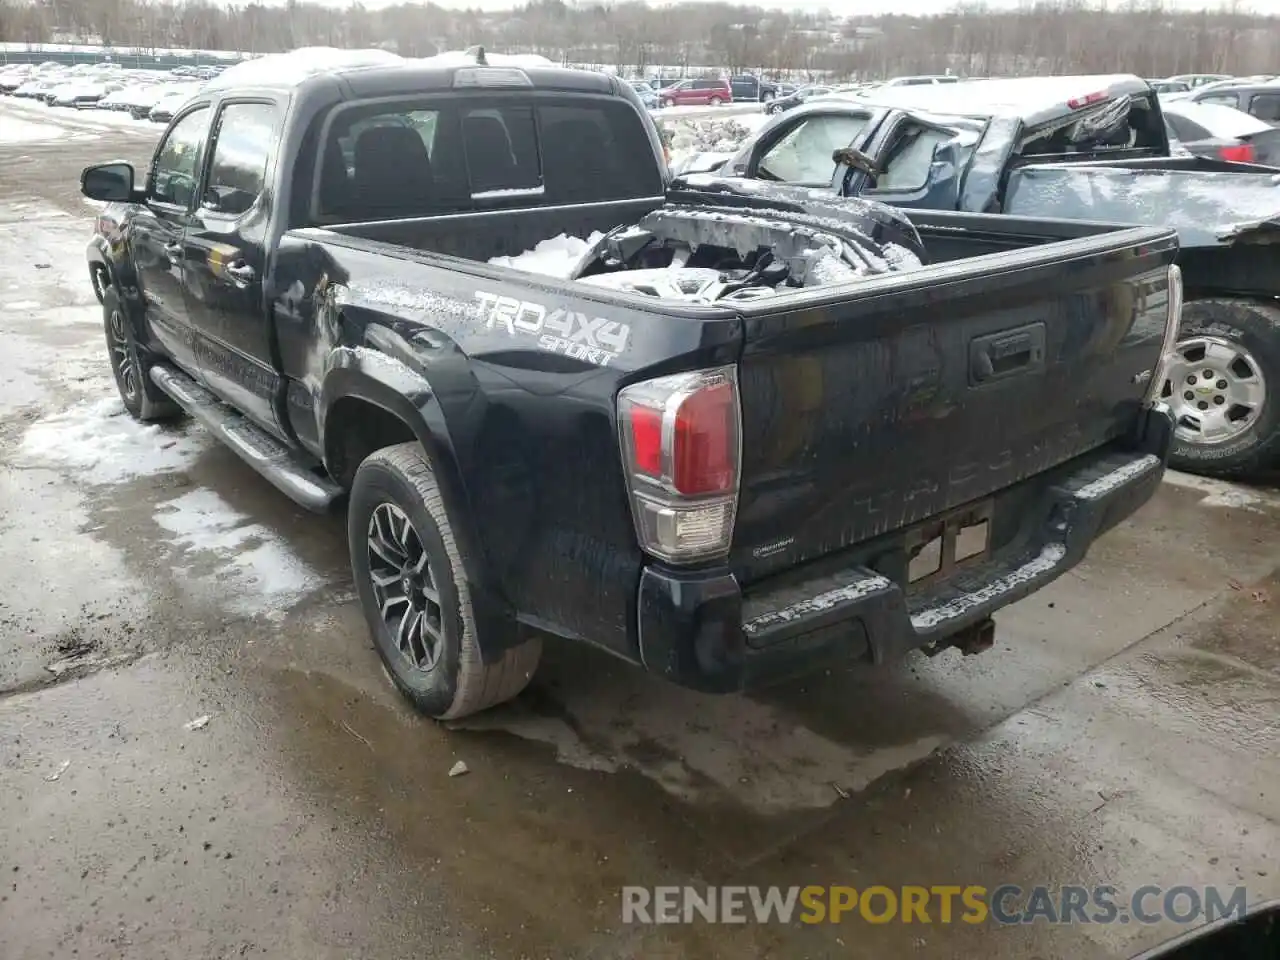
(102, 444)
(688, 137)
(13, 130)
(265, 575)
(551, 258)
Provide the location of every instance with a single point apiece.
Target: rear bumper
(701, 630)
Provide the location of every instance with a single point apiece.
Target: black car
(1223, 133)
(747, 87)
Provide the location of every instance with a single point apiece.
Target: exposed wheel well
(353, 429)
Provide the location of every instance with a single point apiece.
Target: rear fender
(399, 386)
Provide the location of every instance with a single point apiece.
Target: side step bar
(267, 455)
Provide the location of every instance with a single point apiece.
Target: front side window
(803, 155)
(176, 168)
(247, 132)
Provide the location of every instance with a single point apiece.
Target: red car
(696, 93)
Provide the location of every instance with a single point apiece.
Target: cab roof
(1031, 99)
(371, 73)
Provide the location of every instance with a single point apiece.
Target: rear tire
(1224, 326)
(131, 365)
(716, 101)
(408, 569)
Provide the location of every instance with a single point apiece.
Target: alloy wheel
(1215, 388)
(404, 587)
(123, 357)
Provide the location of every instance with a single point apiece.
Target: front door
(226, 243)
(158, 231)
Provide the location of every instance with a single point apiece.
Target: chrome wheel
(123, 357)
(404, 586)
(1215, 388)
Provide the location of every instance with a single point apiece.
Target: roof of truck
(1029, 98)
(378, 72)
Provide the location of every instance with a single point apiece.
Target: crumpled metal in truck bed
(1207, 208)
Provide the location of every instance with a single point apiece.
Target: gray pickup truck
(1088, 148)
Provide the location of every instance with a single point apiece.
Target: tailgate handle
(1006, 354)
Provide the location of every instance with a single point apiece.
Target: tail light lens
(1242, 153)
(682, 453)
(1172, 322)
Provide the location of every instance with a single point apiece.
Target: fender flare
(404, 393)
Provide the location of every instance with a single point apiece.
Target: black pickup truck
(748, 429)
(1094, 148)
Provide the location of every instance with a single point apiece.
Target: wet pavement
(1124, 730)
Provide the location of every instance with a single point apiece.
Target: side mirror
(108, 182)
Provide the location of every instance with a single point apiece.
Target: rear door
(872, 410)
(226, 243)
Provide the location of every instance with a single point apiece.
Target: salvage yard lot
(1123, 730)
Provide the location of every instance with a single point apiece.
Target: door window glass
(1266, 107)
(247, 132)
(907, 167)
(177, 165)
(803, 155)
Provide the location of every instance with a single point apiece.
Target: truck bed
(1011, 361)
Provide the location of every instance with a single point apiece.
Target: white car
(171, 102)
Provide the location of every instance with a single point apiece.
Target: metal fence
(132, 59)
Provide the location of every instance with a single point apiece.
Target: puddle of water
(267, 577)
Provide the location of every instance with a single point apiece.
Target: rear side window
(246, 134)
(388, 162)
(1266, 107)
(1124, 123)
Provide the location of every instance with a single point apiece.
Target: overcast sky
(916, 7)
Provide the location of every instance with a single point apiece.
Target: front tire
(408, 569)
(1222, 388)
(131, 366)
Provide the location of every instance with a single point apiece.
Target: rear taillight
(1173, 320)
(1241, 153)
(681, 452)
(1079, 103)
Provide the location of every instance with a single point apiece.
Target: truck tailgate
(874, 408)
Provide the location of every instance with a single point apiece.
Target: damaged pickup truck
(746, 431)
(1089, 148)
